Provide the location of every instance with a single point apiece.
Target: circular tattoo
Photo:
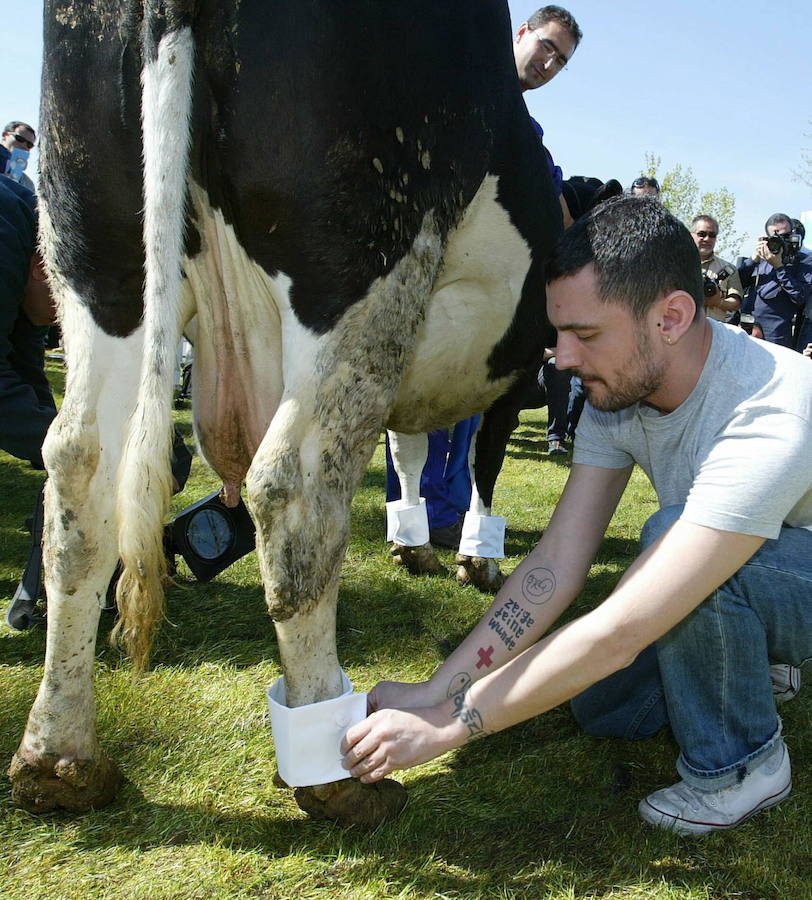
(538, 586)
(459, 684)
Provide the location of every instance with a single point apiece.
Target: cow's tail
(145, 478)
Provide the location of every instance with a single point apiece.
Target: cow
(337, 190)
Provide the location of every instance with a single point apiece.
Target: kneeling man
(722, 425)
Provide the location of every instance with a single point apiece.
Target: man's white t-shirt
(737, 452)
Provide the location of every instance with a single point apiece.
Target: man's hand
(397, 739)
(764, 252)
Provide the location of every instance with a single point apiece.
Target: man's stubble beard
(634, 387)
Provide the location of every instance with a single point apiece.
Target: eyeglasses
(22, 139)
(559, 60)
(646, 182)
(707, 234)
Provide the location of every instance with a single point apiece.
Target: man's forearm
(651, 598)
(539, 589)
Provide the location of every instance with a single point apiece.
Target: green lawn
(539, 811)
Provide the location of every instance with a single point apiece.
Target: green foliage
(681, 194)
(804, 172)
(540, 811)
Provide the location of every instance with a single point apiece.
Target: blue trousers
(709, 676)
(445, 481)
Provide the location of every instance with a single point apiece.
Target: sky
(723, 88)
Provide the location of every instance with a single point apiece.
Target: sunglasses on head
(22, 139)
(706, 234)
(646, 182)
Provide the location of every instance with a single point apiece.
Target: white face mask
(17, 161)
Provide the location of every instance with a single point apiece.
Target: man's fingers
(354, 734)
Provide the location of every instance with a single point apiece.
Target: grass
(539, 811)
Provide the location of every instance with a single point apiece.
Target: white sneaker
(786, 682)
(686, 810)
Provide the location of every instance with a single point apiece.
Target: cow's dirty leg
(59, 763)
(300, 550)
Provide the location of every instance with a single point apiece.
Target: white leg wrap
(483, 536)
(407, 525)
(307, 738)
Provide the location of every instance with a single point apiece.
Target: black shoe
(449, 536)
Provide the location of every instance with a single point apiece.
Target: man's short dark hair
(645, 181)
(556, 14)
(13, 126)
(778, 219)
(639, 252)
(706, 218)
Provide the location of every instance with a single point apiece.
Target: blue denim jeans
(709, 676)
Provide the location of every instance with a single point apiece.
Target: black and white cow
(338, 190)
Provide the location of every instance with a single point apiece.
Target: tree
(680, 194)
(804, 173)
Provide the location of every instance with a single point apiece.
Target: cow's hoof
(418, 560)
(480, 572)
(49, 783)
(349, 802)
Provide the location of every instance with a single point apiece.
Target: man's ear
(523, 29)
(676, 315)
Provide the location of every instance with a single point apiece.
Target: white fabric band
(483, 536)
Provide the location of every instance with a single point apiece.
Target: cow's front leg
(302, 512)
(59, 763)
(407, 522)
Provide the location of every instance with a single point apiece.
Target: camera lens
(775, 243)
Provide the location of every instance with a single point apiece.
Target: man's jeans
(709, 676)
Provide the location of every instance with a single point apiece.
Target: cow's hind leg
(498, 423)
(59, 763)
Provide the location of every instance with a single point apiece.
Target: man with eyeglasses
(543, 46)
(725, 302)
(17, 136)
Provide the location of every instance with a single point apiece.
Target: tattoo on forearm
(538, 586)
(468, 715)
(510, 622)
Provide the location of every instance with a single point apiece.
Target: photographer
(778, 280)
(722, 286)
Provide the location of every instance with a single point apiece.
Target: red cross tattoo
(484, 657)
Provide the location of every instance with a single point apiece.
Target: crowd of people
(712, 621)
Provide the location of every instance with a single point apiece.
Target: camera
(788, 244)
(711, 285)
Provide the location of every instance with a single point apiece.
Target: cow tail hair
(145, 478)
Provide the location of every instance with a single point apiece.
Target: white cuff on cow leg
(308, 738)
(407, 525)
(483, 536)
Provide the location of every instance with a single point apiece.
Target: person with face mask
(16, 142)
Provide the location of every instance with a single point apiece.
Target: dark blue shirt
(775, 295)
(555, 171)
(26, 404)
